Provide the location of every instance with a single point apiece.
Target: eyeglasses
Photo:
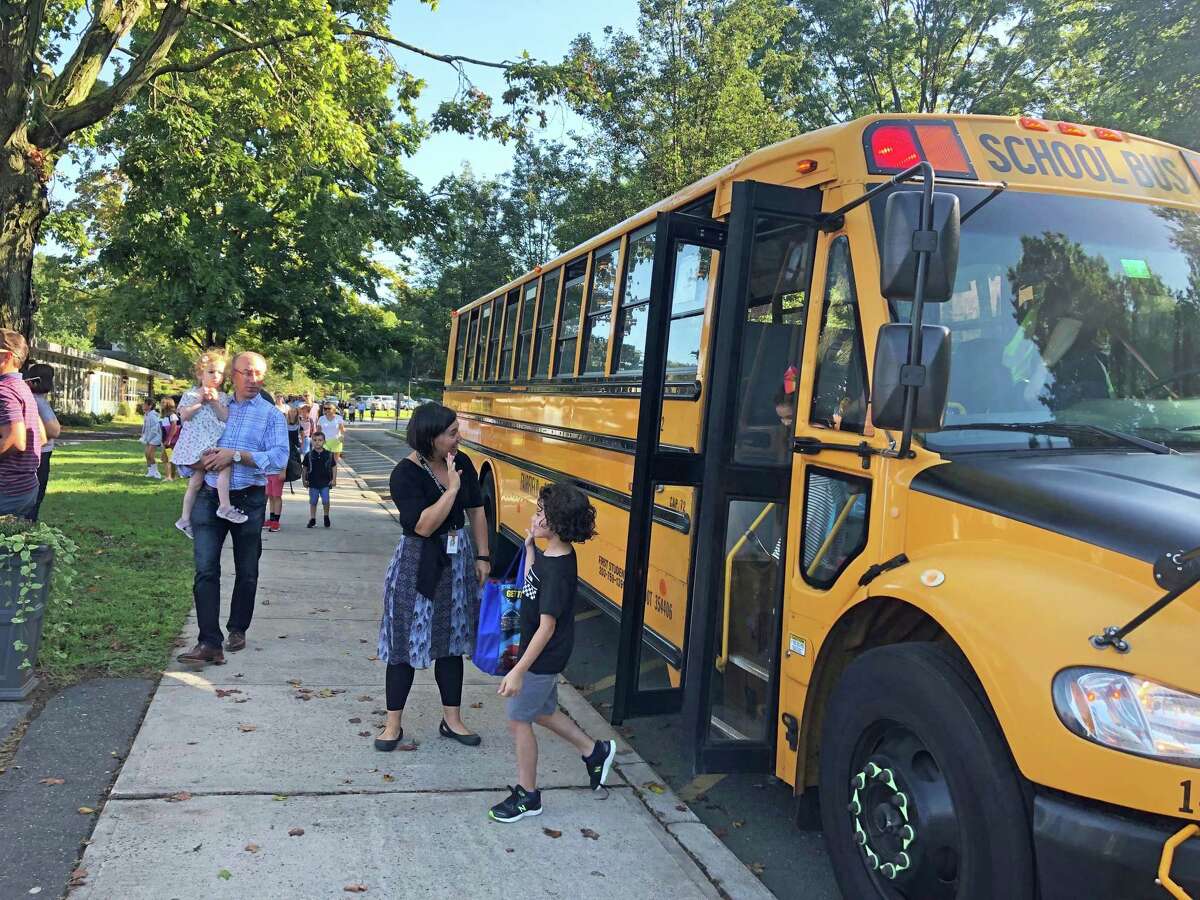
(251, 373)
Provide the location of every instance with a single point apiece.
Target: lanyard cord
(425, 465)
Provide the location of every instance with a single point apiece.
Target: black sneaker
(327, 521)
(312, 523)
(599, 763)
(520, 803)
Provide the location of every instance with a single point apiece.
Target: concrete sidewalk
(232, 761)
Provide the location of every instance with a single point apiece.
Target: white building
(88, 381)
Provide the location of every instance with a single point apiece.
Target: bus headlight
(1129, 713)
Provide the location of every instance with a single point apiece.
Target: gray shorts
(538, 697)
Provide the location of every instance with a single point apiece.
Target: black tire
(501, 555)
(944, 770)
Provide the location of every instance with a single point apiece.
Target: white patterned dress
(200, 433)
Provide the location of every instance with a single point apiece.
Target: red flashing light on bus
(892, 147)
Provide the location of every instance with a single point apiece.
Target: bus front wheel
(919, 798)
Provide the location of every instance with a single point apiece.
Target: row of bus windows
(513, 337)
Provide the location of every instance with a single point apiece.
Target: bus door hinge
(791, 730)
(879, 568)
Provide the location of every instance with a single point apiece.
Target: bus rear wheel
(919, 798)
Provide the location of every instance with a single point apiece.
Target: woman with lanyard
(431, 591)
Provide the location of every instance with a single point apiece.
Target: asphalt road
(750, 813)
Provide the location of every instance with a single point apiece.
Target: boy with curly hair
(563, 517)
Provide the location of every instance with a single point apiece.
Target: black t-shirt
(319, 467)
(413, 491)
(550, 590)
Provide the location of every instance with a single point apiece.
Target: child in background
(204, 410)
(564, 517)
(171, 426)
(320, 474)
(151, 437)
(306, 428)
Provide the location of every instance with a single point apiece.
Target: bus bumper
(1088, 849)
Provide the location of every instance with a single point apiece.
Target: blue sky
(492, 31)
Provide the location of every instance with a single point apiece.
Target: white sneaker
(154, 473)
(232, 514)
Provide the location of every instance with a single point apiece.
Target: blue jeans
(210, 532)
(22, 505)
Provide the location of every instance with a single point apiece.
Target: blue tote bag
(498, 636)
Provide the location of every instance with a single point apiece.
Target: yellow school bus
(892, 430)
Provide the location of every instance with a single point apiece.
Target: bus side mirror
(892, 373)
(902, 238)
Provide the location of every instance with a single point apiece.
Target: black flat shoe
(389, 746)
(469, 740)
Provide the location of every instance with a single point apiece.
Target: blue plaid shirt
(258, 427)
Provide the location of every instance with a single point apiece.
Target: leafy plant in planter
(34, 558)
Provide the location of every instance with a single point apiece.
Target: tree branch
(19, 33)
(96, 107)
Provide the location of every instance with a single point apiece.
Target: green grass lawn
(134, 584)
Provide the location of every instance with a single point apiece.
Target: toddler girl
(204, 410)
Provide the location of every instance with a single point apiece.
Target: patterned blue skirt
(416, 629)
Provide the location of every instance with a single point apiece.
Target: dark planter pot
(15, 682)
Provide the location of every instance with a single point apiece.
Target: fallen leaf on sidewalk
(239, 675)
(379, 712)
(509, 850)
(244, 727)
(355, 888)
(53, 781)
(180, 797)
(588, 833)
(373, 657)
(339, 690)
(477, 706)
(325, 693)
(363, 641)
(279, 797)
(681, 807)
(196, 849)
(364, 734)
(355, 721)
(757, 868)
(738, 823)
(364, 698)
(241, 699)
(387, 777)
(295, 832)
(551, 833)
(86, 810)
(227, 692)
(295, 682)
(224, 874)
(78, 877)
(654, 787)
(252, 848)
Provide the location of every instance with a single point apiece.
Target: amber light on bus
(892, 147)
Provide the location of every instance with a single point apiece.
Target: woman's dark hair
(40, 377)
(568, 512)
(427, 422)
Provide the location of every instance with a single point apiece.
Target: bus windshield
(1073, 311)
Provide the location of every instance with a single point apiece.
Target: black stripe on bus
(689, 390)
(588, 438)
(652, 639)
(672, 519)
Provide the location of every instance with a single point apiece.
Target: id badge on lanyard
(452, 543)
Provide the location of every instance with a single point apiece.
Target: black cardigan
(413, 491)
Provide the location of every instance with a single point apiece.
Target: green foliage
(23, 549)
(87, 420)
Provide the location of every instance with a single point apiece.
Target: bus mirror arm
(1178, 571)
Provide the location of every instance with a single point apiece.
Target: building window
(635, 302)
(542, 346)
(599, 315)
(568, 326)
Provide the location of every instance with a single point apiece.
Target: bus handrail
(833, 532)
(723, 659)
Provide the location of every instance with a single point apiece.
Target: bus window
(599, 315)
(525, 339)
(773, 340)
(835, 524)
(510, 334)
(635, 301)
(472, 333)
(460, 350)
(542, 347)
(693, 278)
(481, 355)
(493, 357)
(840, 395)
(568, 326)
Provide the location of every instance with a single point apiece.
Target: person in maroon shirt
(20, 431)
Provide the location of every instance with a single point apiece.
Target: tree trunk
(24, 203)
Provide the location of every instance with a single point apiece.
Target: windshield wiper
(1064, 429)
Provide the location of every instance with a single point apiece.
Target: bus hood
(1139, 504)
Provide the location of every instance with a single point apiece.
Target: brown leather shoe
(202, 655)
(236, 641)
